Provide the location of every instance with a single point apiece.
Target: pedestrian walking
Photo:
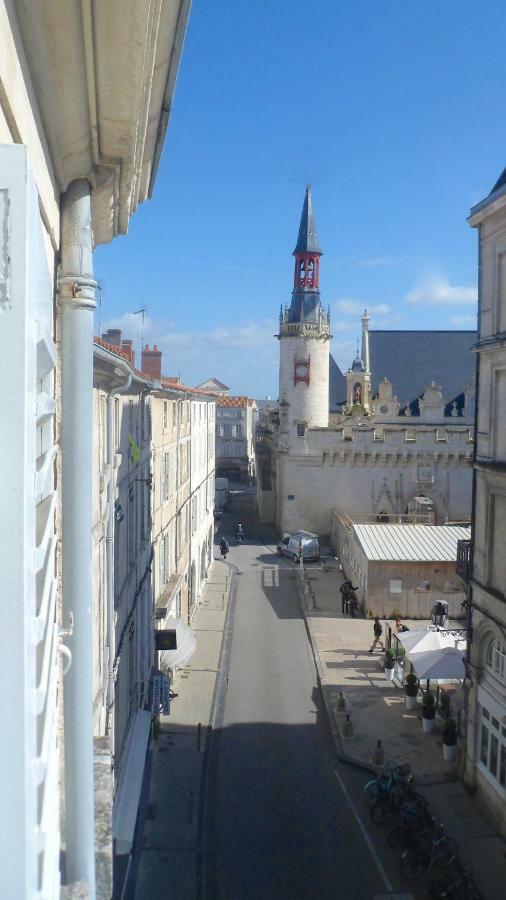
(378, 631)
(224, 548)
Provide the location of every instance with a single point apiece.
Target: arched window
(302, 271)
(310, 272)
(496, 659)
(357, 393)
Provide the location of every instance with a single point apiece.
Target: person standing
(346, 589)
(378, 631)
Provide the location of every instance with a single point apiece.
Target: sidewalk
(377, 710)
(168, 863)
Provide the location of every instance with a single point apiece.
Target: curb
(331, 717)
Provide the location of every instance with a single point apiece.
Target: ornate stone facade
(375, 455)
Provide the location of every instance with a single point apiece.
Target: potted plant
(449, 732)
(411, 688)
(428, 711)
(388, 664)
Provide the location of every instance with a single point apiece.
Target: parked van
(303, 543)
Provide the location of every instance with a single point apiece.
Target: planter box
(428, 724)
(449, 752)
(389, 674)
(410, 702)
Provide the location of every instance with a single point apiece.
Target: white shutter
(29, 826)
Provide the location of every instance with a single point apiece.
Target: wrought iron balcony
(463, 566)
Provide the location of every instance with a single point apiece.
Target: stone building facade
(377, 452)
(85, 97)
(235, 437)
(485, 760)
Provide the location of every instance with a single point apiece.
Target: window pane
(485, 713)
(494, 753)
(495, 723)
(502, 767)
(484, 745)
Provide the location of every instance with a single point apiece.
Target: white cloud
(347, 306)
(464, 321)
(244, 356)
(437, 291)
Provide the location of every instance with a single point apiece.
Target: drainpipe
(77, 299)
(109, 548)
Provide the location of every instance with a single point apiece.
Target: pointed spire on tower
(307, 241)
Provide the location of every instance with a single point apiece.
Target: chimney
(128, 347)
(152, 362)
(113, 336)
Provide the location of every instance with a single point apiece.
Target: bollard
(347, 729)
(341, 702)
(378, 755)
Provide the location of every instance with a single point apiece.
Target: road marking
(372, 850)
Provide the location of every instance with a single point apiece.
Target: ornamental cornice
(103, 75)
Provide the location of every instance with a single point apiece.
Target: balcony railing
(463, 566)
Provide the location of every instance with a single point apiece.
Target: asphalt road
(277, 823)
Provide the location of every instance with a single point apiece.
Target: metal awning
(126, 803)
(186, 643)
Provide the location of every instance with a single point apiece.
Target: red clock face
(301, 370)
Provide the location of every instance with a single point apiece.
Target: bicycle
(461, 885)
(390, 776)
(441, 852)
(401, 801)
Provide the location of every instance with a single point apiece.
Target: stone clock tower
(304, 336)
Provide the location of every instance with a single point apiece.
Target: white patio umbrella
(446, 663)
(424, 641)
(186, 643)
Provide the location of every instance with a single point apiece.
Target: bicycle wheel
(443, 853)
(372, 791)
(411, 864)
(380, 812)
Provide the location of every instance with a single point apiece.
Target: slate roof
(412, 359)
(337, 386)
(411, 543)
(307, 241)
(500, 182)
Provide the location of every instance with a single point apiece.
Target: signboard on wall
(166, 639)
(165, 695)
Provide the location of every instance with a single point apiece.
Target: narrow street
(276, 823)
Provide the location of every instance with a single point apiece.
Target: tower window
(357, 393)
(310, 272)
(301, 429)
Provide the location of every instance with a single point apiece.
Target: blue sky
(392, 110)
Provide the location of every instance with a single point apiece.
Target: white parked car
(303, 543)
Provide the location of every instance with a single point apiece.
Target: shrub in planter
(411, 685)
(389, 663)
(428, 711)
(449, 732)
(411, 688)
